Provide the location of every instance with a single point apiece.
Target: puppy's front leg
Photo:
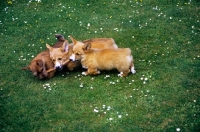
(91, 71)
(85, 73)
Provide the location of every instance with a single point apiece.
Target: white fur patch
(115, 46)
(133, 70)
(85, 67)
(72, 57)
(57, 64)
(84, 73)
(129, 58)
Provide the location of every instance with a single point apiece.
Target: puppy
(104, 59)
(42, 66)
(60, 56)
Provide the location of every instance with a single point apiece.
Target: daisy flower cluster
(143, 93)
(27, 56)
(23, 58)
(145, 78)
(48, 86)
(109, 112)
(38, 1)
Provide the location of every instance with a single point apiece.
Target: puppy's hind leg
(124, 73)
(124, 70)
(133, 69)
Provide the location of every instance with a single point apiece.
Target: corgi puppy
(96, 60)
(98, 43)
(42, 66)
(61, 56)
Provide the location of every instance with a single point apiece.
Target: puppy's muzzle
(72, 58)
(59, 68)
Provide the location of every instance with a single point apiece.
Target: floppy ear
(39, 63)
(65, 46)
(49, 47)
(73, 40)
(44, 71)
(86, 47)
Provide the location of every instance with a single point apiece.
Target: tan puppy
(104, 59)
(41, 66)
(60, 56)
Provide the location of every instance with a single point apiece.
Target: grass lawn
(164, 94)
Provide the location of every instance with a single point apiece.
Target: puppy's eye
(59, 58)
(53, 60)
(77, 53)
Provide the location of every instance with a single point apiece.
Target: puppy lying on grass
(95, 60)
(42, 66)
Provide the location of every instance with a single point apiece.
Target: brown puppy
(41, 66)
(104, 59)
(60, 56)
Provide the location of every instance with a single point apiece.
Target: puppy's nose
(73, 60)
(59, 68)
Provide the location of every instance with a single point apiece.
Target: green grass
(164, 37)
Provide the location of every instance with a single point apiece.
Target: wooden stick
(50, 70)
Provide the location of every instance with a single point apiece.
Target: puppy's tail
(59, 37)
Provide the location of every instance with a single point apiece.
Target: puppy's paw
(121, 74)
(84, 73)
(133, 70)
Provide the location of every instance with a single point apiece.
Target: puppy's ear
(65, 46)
(39, 63)
(86, 47)
(74, 41)
(44, 71)
(49, 47)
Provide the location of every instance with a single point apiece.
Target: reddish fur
(40, 65)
